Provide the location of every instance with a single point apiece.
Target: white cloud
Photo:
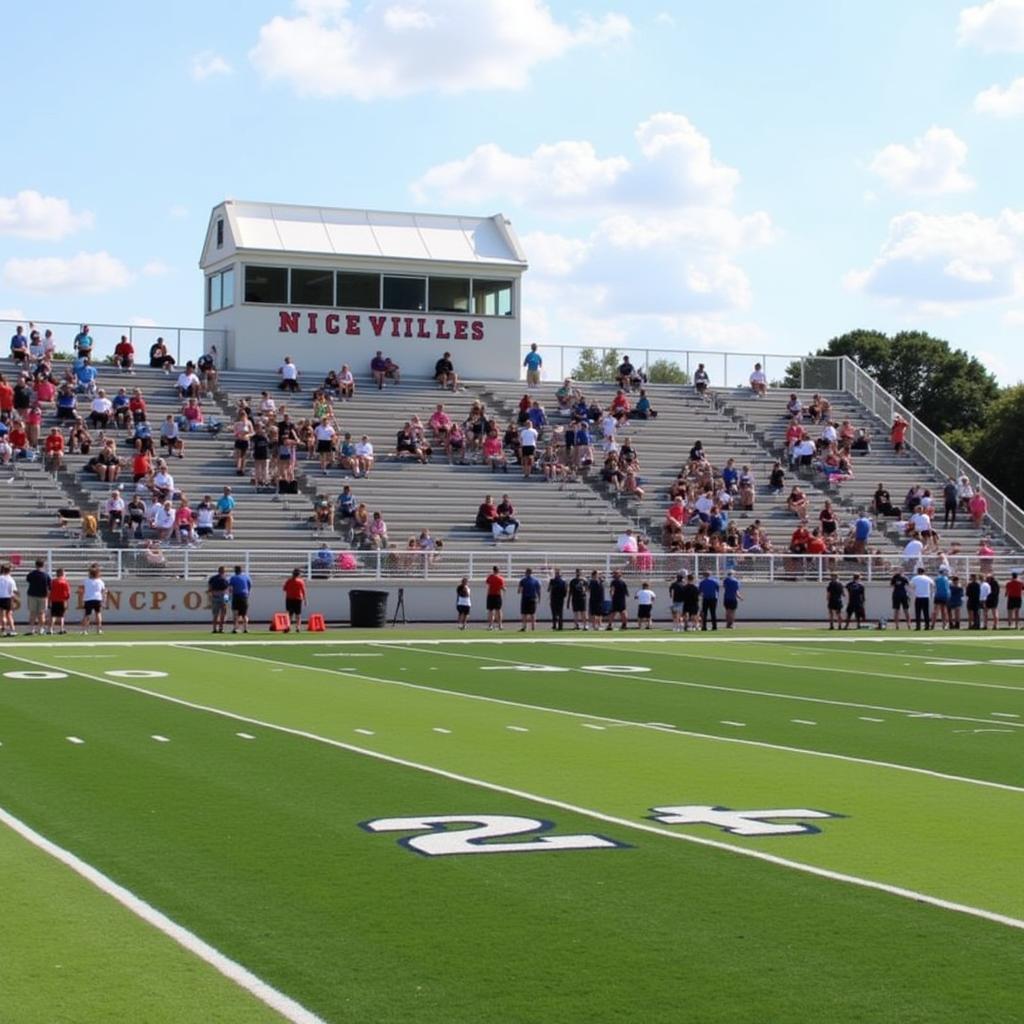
(155, 268)
(996, 26)
(999, 102)
(88, 272)
(398, 49)
(30, 214)
(932, 165)
(945, 263)
(208, 65)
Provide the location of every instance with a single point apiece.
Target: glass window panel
(449, 294)
(312, 287)
(359, 291)
(405, 293)
(213, 293)
(492, 298)
(266, 284)
(228, 288)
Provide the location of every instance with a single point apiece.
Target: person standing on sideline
(619, 591)
(691, 603)
(973, 595)
(855, 597)
(495, 589)
(992, 603)
(1013, 590)
(8, 589)
(834, 591)
(645, 598)
(533, 362)
(595, 600)
(922, 586)
(677, 595)
(709, 588)
(900, 598)
(578, 600)
(557, 591)
(529, 594)
(38, 582)
(241, 590)
(217, 587)
(956, 602)
(94, 592)
(940, 608)
(294, 598)
(60, 596)
(731, 598)
(463, 602)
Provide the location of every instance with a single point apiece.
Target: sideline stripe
(850, 758)
(284, 1005)
(302, 1016)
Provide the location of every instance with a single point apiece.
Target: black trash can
(368, 608)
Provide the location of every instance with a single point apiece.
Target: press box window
(359, 291)
(405, 293)
(266, 284)
(449, 294)
(492, 298)
(312, 288)
(220, 291)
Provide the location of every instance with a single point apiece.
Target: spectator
(124, 355)
(240, 586)
(494, 453)
(506, 525)
(184, 523)
(163, 521)
(204, 518)
(242, 432)
(898, 434)
(861, 444)
(777, 479)
(218, 587)
(642, 410)
(978, 509)
(260, 457)
(378, 369)
(226, 514)
(444, 372)
(53, 449)
(289, 374)
(19, 347)
(964, 494)
(627, 376)
(567, 396)
(159, 357)
(325, 434)
(188, 382)
(170, 437)
(206, 366)
(701, 380)
(794, 407)
(862, 530)
(361, 526)
(377, 533)
(362, 460)
(105, 463)
(346, 383)
(114, 507)
(527, 448)
(345, 510)
(85, 379)
(294, 598)
(486, 514)
(797, 501)
(533, 363)
(881, 502)
(406, 443)
(912, 552)
(83, 343)
(392, 370)
(758, 381)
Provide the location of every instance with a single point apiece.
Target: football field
(468, 827)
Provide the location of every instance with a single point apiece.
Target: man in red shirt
(6, 397)
(898, 434)
(294, 598)
(60, 595)
(800, 539)
(495, 588)
(53, 448)
(124, 354)
(1014, 588)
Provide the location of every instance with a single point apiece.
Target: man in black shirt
(578, 600)
(900, 599)
(973, 594)
(444, 372)
(619, 593)
(691, 602)
(38, 581)
(217, 586)
(950, 500)
(677, 595)
(834, 592)
(855, 597)
(595, 600)
(557, 589)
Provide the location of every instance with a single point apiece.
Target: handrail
(1007, 515)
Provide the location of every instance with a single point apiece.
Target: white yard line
(278, 1001)
(865, 719)
(293, 1011)
(802, 721)
(666, 729)
(245, 736)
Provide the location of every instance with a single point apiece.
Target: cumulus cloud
(996, 26)
(325, 48)
(30, 214)
(999, 102)
(931, 165)
(208, 65)
(85, 273)
(943, 263)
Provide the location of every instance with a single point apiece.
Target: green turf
(256, 845)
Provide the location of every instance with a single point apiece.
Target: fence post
(607, 565)
(771, 568)
(803, 376)
(377, 553)
(248, 561)
(120, 564)
(472, 561)
(178, 359)
(309, 565)
(725, 369)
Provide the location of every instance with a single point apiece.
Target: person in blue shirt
(86, 377)
(83, 343)
(66, 403)
(861, 532)
(709, 588)
(529, 593)
(537, 416)
(940, 603)
(731, 598)
(240, 585)
(19, 346)
(533, 362)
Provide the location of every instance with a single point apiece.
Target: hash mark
(245, 736)
(365, 732)
(74, 739)
(802, 721)
(739, 725)
(437, 728)
(864, 718)
(516, 728)
(160, 739)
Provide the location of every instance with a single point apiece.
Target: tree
(996, 447)
(594, 367)
(664, 371)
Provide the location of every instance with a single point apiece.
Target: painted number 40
(482, 835)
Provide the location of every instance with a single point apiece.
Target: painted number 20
(442, 841)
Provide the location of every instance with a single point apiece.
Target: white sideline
(266, 994)
(223, 964)
(655, 726)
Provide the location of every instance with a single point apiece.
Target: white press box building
(331, 286)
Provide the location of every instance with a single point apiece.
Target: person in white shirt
(8, 590)
(645, 598)
(289, 374)
(163, 483)
(325, 434)
(36, 348)
(912, 554)
(204, 517)
(758, 381)
(115, 511)
(626, 544)
(802, 452)
(267, 405)
(922, 585)
(609, 425)
(362, 463)
(102, 408)
(163, 521)
(346, 383)
(829, 433)
(94, 592)
(188, 384)
(527, 448)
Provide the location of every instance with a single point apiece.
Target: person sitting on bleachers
(881, 502)
(506, 525)
(135, 514)
(323, 513)
(114, 507)
(406, 444)
(802, 453)
(800, 538)
(797, 502)
(346, 383)
(818, 409)
(537, 416)
(643, 410)
(567, 396)
(377, 532)
(105, 463)
(153, 557)
(206, 367)
(289, 374)
(53, 450)
(440, 423)
(79, 438)
(747, 490)
(345, 510)
(170, 437)
(444, 373)
(362, 461)
(977, 508)
(44, 389)
(85, 379)
(124, 355)
(188, 382)
(159, 357)
(758, 381)
(861, 443)
(486, 514)
(672, 527)
(494, 453)
(794, 407)
(162, 520)
(17, 438)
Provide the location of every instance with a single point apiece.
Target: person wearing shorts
(8, 588)
(940, 602)
(60, 595)
(644, 598)
(856, 595)
(463, 602)
(619, 591)
(677, 595)
(38, 583)
(595, 600)
(240, 585)
(294, 598)
(956, 602)
(529, 593)
(218, 587)
(1014, 589)
(731, 598)
(691, 602)
(495, 588)
(900, 599)
(94, 590)
(578, 600)
(834, 592)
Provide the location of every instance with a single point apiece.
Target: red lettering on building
(461, 330)
(352, 323)
(408, 326)
(441, 334)
(331, 323)
(396, 327)
(377, 323)
(312, 318)
(288, 323)
(477, 331)
(421, 328)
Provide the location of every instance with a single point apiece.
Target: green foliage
(664, 371)
(591, 366)
(996, 447)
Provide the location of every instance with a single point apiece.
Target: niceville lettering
(381, 326)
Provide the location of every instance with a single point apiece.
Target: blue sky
(740, 176)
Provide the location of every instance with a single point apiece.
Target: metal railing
(401, 566)
(1008, 516)
(105, 336)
